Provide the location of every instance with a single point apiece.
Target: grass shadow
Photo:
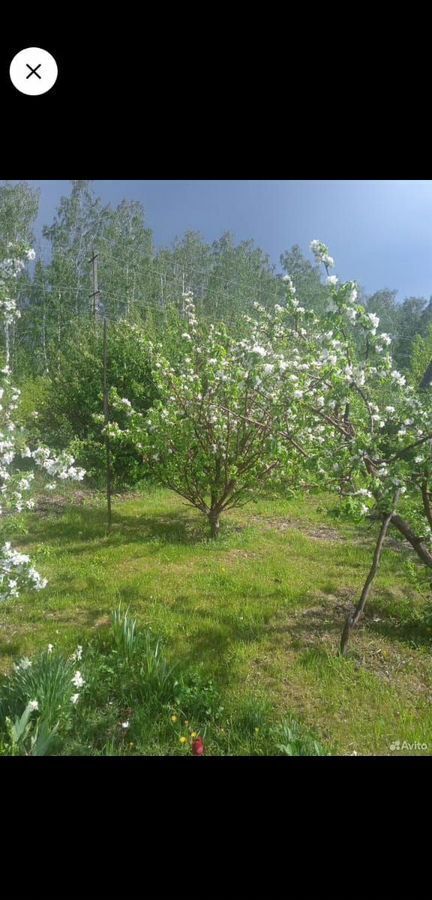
(413, 632)
(89, 524)
(9, 649)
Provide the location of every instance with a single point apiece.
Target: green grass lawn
(261, 609)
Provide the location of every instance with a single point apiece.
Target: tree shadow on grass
(94, 618)
(76, 526)
(211, 642)
(212, 646)
(310, 626)
(316, 627)
(399, 619)
(414, 632)
(9, 650)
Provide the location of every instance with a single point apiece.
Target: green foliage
(18, 209)
(70, 401)
(421, 355)
(19, 730)
(133, 703)
(291, 739)
(198, 697)
(28, 736)
(35, 393)
(124, 633)
(156, 676)
(205, 436)
(142, 284)
(133, 666)
(410, 323)
(48, 681)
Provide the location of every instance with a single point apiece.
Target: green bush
(47, 679)
(68, 401)
(198, 698)
(292, 739)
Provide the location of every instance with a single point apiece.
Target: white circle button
(33, 71)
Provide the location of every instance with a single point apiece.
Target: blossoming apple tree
(370, 434)
(216, 431)
(315, 400)
(16, 480)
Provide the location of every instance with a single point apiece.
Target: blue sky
(379, 232)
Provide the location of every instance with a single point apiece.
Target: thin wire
(135, 304)
(150, 267)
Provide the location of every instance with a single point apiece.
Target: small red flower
(198, 747)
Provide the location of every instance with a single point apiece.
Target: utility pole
(106, 420)
(162, 292)
(95, 294)
(59, 332)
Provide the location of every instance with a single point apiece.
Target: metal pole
(95, 294)
(106, 419)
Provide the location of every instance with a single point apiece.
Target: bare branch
(355, 616)
(284, 434)
(416, 542)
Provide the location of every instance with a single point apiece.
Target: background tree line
(139, 283)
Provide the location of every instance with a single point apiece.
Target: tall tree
(125, 260)
(184, 266)
(18, 210)
(241, 274)
(410, 317)
(73, 234)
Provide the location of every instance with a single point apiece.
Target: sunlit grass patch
(261, 608)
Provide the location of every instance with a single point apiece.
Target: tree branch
(415, 541)
(354, 617)
(426, 502)
(284, 434)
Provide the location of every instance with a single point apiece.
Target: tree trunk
(426, 502)
(214, 524)
(415, 541)
(427, 378)
(355, 616)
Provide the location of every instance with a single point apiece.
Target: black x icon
(33, 71)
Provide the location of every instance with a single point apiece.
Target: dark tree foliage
(70, 403)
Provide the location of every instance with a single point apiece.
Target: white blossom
(398, 378)
(374, 319)
(289, 282)
(78, 680)
(24, 663)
